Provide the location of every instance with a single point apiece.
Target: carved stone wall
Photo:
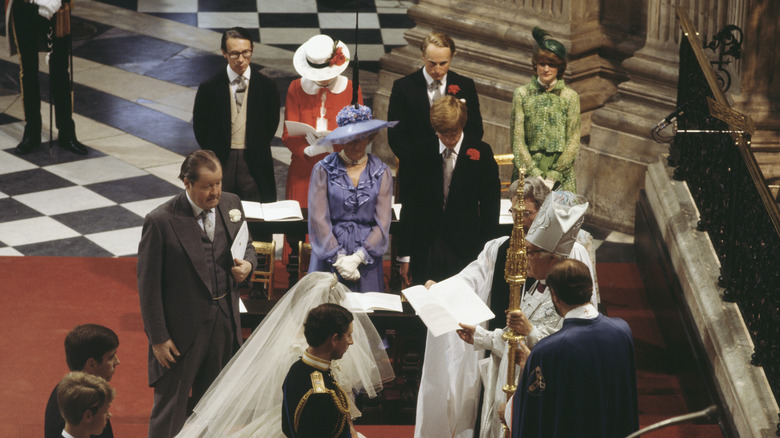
(623, 60)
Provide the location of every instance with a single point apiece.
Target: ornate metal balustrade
(711, 150)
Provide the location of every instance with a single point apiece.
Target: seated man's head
(571, 285)
(201, 174)
(535, 193)
(540, 262)
(84, 401)
(448, 117)
(328, 330)
(92, 348)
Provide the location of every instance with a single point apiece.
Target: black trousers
(29, 29)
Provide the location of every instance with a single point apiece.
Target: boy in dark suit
(413, 95)
(90, 348)
(454, 207)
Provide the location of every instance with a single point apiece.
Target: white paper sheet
(239, 243)
(446, 304)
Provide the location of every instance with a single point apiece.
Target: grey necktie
(208, 224)
(436, 92)
(447, 167)
(240, 91)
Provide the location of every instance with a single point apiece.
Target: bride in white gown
(246, 399)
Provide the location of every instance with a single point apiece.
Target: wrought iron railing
(711, 150)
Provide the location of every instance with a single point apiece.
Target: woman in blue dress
(350, 204)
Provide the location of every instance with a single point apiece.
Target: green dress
(545, 132)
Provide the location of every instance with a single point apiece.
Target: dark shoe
(73, 145)
(28, 143)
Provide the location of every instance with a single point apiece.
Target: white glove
(348, 266)
(47, 8)
(311, 151)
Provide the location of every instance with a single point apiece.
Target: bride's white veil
(246, 398)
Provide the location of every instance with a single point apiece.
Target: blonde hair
(438, 39)
(79, 392)
(448, 114)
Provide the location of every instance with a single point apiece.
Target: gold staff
(515, 274)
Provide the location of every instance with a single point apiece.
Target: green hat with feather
(548, 44)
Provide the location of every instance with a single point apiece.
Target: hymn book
(446, 304)
(280, 211)
(367, 302)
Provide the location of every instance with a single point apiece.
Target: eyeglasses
(534, 251)
(246, 54)
(526, 213)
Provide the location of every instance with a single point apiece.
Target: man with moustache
(188, 286)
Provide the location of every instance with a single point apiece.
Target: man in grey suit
(188, 286)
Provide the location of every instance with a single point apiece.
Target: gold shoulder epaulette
(317, 383)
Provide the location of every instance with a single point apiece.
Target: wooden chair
(264, 273)
(304, 257)
(505, 160)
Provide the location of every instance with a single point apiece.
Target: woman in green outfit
(545, 124)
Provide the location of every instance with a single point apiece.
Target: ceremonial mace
(515, 274)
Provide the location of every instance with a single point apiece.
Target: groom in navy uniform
(188, 286)
(454, 207)
(413, 95)
(580, 381)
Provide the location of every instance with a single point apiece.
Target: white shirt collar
(456, 149)
(429, 79)
(336, 87)
(66, 434)
(195, 209)
(233, 75)
(586, 311)
(545, 87)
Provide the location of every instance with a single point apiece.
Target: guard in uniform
(314, 405)
(34, 25)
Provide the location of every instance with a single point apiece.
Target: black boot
(30, 140)
(70, 143)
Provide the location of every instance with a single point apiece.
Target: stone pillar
(611, 168)
(494, 47)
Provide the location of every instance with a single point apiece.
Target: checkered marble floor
(286, 24)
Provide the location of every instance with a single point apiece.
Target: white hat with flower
(321, 58)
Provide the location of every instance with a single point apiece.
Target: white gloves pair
(47, 8)
(347, 265)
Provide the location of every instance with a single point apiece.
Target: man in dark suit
(188, 287)
(412, 96)
(236, 115)
(454, 207)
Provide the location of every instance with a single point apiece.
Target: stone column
(611, 168)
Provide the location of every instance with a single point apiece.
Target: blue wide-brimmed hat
(356, 124)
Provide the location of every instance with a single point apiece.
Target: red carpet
(44, 297)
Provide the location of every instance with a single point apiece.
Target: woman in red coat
(315, 99)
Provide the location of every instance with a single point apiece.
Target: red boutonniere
(338, 58)
(473, 154)
(453, 89)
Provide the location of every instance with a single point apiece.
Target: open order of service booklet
(367, 302)
(279, 211)
(446, 304)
